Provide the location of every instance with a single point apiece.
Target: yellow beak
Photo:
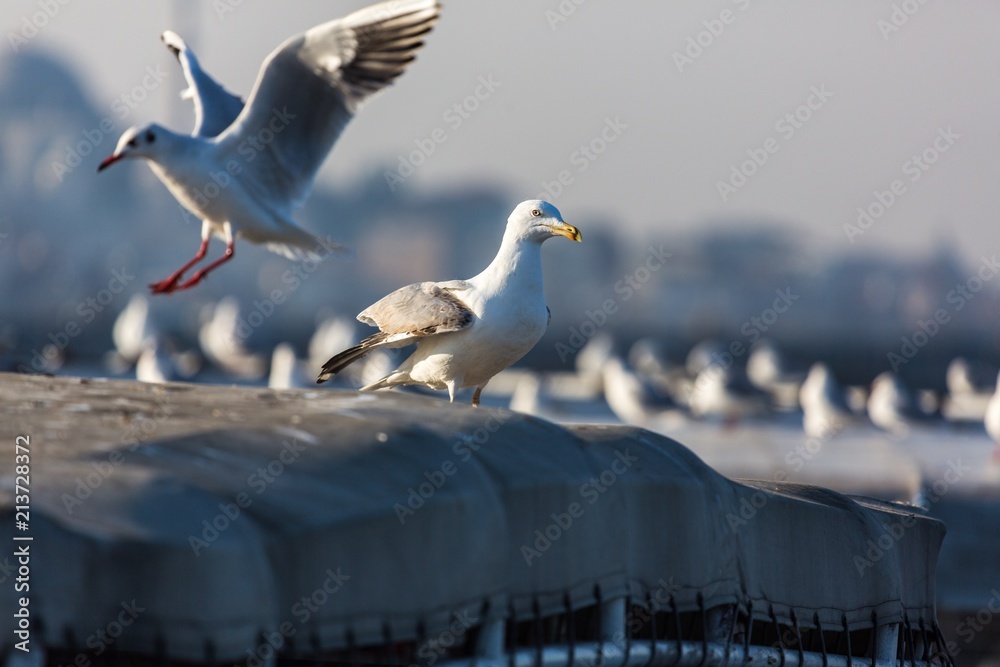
(567, 230)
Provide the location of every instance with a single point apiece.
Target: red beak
(108, 161)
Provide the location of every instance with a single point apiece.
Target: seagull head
(137, 141)
(537, 220)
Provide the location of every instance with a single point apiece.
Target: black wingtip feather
(342, 360)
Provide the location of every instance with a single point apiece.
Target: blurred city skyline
(658, 116)
(659, 135)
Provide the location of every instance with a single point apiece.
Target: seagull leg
(475, 396)
(169, 284)
(451, 390)
(201, 273)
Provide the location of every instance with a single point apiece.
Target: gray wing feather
(310, 87)
(421, 309)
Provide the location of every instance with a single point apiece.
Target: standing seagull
(467, 331)
(246, 181)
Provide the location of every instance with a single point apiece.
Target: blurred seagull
(590, 361)
(825, 412)
(467, 331)
(709, 352)
(154, 364)
(287, 371)
(222, 344)
(770, 370)
(332, 335)
(246, 181)
(723, 393)
(967, 377)
(635, 400)
(649, 358)
(892, 406)
(970, 387)
(133, 328)
(534, 394)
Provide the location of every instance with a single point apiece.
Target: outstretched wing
(403, 317)
(311, 86)
(215, 108)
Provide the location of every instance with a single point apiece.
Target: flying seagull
(246, 180)
(467, 331)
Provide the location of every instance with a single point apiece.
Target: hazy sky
(675, 117)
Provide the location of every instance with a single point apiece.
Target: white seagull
(133, 328)
(153, 364)
(467, 331)
(825, 412)
(246, 181)
(893, 407)
(287, 372)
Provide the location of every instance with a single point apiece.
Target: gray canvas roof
(325, 478)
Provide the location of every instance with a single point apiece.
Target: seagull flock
(246, 166)
(651, 383)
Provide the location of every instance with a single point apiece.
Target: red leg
(201, 273)
(169, 284)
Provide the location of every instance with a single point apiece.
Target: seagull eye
(150, 137)
(535, 212)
